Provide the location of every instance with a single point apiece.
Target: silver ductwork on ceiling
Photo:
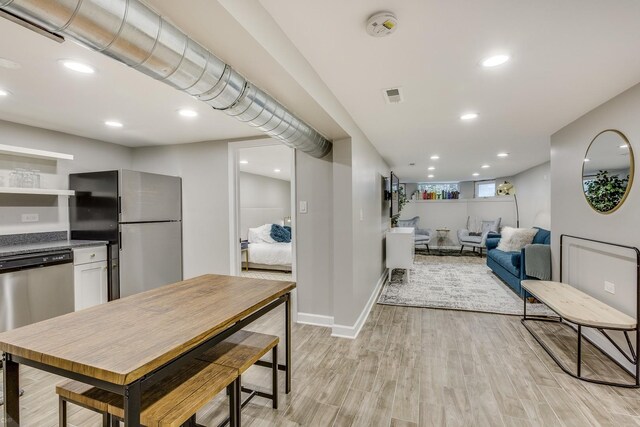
(132, 33)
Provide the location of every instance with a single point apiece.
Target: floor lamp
(507, 189)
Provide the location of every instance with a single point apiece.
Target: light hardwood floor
(410, 367)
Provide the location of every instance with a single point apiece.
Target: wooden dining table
(127, 345)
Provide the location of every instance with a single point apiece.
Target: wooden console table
(575, 306)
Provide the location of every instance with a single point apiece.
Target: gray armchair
(479, 239)
(422, 235)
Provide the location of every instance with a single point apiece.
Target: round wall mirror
(607, 171)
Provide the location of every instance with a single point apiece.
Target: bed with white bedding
(266, 253)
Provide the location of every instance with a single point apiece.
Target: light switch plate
(303, 207)
(34, 217)
(610, 287)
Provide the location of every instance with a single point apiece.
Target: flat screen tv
(395, 188)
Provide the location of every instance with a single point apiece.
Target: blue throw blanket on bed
(280, 234)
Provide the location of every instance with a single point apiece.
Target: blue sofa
(510, 266)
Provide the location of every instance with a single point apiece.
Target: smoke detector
(382, 24)
(393, 95)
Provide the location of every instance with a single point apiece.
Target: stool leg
(274, 377)
(62, 412)
(231, 392)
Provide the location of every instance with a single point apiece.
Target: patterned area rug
(455, 284)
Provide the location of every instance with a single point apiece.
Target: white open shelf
(36, 191)
(30, 152)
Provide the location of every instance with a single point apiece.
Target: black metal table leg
(11, 381)
(274, 377)
(132, 403)
(287, 343)
(579, 368)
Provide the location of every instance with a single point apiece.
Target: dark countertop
(20, 249)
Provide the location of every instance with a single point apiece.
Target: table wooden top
(123, 340)
(576, 306)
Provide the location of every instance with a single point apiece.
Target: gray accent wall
(203, 167)
(589, 265)
(90, 155)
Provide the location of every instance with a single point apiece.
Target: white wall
(314, 238)
(205, 200)
(588, 266)
(533, 189)
(90, 155)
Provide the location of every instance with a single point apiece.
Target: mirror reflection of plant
(402, 201)
(606, 191)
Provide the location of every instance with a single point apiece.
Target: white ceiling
(266, 159)
(45, 94)
(567, 57)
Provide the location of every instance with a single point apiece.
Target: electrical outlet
(610, 287)
(30, 217)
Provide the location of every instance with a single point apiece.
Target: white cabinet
(90, 276)
(400, 247)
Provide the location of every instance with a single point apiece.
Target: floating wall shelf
(30, 152)
(36, 191)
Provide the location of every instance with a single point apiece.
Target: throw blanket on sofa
(538, 261)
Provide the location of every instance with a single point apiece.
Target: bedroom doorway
(262, 194)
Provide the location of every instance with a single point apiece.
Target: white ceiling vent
(393, 95)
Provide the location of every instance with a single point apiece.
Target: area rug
(454, 284)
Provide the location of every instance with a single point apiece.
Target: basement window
(485, 189)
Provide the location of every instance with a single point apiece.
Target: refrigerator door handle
(120, 240)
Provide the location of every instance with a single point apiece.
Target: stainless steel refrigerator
(140, 215)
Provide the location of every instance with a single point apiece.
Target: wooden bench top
(241, 350)
(578, 307)
(123, 340)
(167, 404)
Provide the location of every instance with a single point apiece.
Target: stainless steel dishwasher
(35, 287)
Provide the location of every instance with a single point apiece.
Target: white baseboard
(315, 319)
(344, 331)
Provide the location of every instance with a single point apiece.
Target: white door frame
(235, 259)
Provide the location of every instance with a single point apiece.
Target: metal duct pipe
(132, 33)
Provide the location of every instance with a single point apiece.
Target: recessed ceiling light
(431, 168)
(78, 67)
(494, 61)
(185, 112)
(276, 170)
(244, 162)
(113, 124)
(503, 154)
(624, 146)
(9, 64)
(475, 174)
(435, 157)
(485, 166)
(587, 160)
(430, 176)
(469, 116)
(4, 92)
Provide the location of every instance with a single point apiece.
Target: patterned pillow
(514, 239)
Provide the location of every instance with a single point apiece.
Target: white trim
(36, 154)
(315, 319)
(343, 331)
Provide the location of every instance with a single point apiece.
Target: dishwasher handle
(43, 259)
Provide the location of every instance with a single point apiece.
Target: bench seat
(577, 307)
(169, 403)
(241, 351)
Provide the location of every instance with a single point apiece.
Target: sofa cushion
(542, 237)
(516, 259)
(504, 259)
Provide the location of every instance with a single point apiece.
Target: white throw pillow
(514, 239)
(260, 234)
